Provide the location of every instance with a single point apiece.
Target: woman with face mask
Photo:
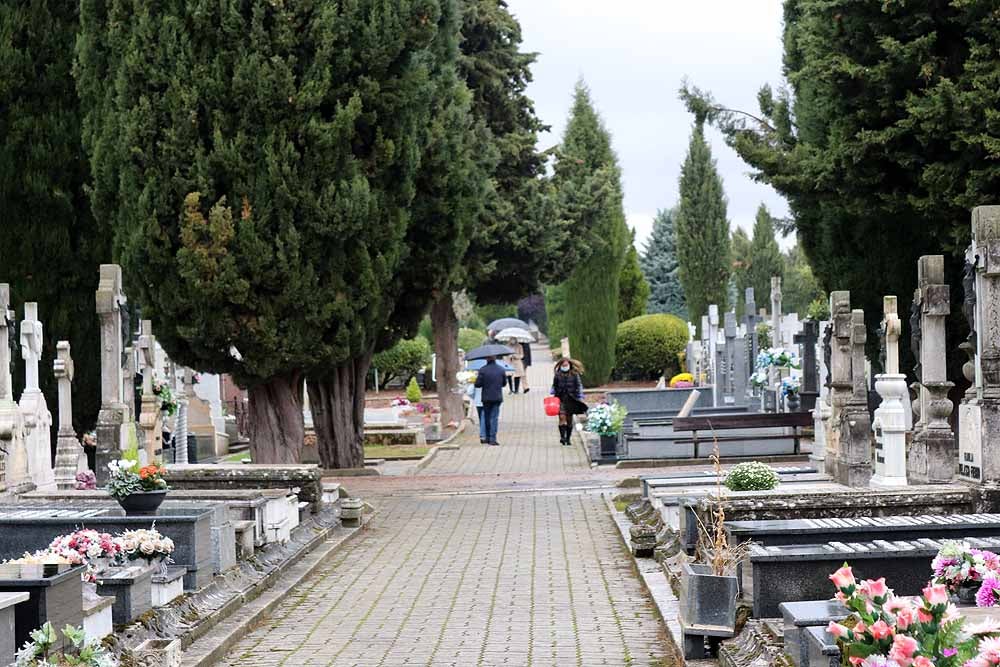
(568, 388)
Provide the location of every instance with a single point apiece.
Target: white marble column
(890, 420)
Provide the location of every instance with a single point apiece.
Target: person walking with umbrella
(517, 363)
(568, 388)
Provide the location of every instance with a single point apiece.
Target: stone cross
(69, 453)
(806, 340)
(839, 373)
(890, 422)
(776, 311)
(713, 339)
(31, 345)
(750, 315)
(114, 416)
(933, 452)
(13, 458)
(729, 366)
(6, 322)
(854, 466)
(150, 418)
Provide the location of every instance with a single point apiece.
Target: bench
(791, 573)
(751, 421)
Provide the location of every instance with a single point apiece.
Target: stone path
(445, 577)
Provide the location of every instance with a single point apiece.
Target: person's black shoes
(493, 444)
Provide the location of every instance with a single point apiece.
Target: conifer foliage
(659, 265)
(587, 183)
(633, 288)
(702, 230)
(764, 260)
(257, 161)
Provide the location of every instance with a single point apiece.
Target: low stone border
(676, 463)
(443, 445)
(655, 581)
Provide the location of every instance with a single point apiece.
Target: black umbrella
(506, 323)
(485, 351)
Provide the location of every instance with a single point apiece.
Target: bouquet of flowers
(87, 546)
(789, 386)
(127, 478)
(399, 402)
(923, 631)
(466, 377)
(759, 378)
(39, 651)
(46, 557)
(778, 357)
(86, 480)
(146, 544)
(606, 419)
(167, 402)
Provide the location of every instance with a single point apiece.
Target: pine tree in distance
(765, 260)
(633, 288)
(702, 230)
(659, 265)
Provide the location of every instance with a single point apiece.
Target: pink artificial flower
(936, 594)
(837, 630)
(843, 578)
(924, 616)
(881, 630)
(895, 604)
(860, 628)
(875, 588)
(922, 661)
(902, 650)
(989, 592)
(905, 618)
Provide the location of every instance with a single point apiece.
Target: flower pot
(707, 601)
(142, 504)
(966, 593)
(794, 402)
(609, 446)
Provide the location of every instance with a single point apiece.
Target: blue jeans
(482, 422)
(491, 417)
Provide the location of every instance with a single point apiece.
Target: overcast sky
(633, 55)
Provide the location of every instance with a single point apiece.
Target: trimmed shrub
(403, 360)
(751, 476)
(648, 346)
(470, 338)
(413, 393)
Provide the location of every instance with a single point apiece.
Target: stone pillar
(773, 375)
(151, 416)
(713, 336)
(13, 455)
(729, 396)
(854, 457)
(979, 414)
(750, 315)
(933, 453)
(114, 416)
(181, 432)
(37, 418)
(70, 457)
(889, 424)
(806, 340)
(821, 413)
(840, 374)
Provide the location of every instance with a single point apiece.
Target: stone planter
(609, 446)
(350, 511)
(966, 593)
(157, 653)
(707, 606)
(142, 504)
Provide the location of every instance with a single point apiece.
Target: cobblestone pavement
(529, 441)
(458, 569)
(469, 581)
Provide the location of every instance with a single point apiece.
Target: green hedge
(647, 347)
(402, 361)
(470, 338)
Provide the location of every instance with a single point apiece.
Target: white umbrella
(515, 333)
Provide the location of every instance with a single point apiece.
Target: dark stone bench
(792, 573)
(55, 595)
(132, 588)
(864, 529)
(744, 422)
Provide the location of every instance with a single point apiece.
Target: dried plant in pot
(710, 585)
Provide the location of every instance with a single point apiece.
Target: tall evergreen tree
(659, 265)
(51, 245)
(739, 248)
(258, 168)
(765, 260)
(800, 287)
(512, 245)
(885, 138)
(587, 181)
(633, 288)
(702, 230)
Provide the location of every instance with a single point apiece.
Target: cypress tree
(702, 230)
(659, 265)
(765, 260)
(587, 181)
(257, 167)
(51, 245)
(633, 288)
(739, 245)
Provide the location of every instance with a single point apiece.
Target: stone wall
(306, 478)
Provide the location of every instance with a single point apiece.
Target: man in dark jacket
(491, 379)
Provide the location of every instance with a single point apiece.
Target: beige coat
(516, 360)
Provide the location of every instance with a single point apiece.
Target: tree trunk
(338, 409)
(275, 423)
(445, 326)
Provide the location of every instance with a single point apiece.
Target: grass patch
(396, 452)
(623, 500)
(237, 457)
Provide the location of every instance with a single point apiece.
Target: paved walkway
(448, 576)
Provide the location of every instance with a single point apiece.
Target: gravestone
(840, 375)
(751, 325)
(773, 375)
(37, 418)
(933, 452)
(806, 340)
(713, 339)
(889, 423)
(854, 462)
(205, 418)
(822, 411)
(115, 416)
(150, 419)
(12, 440)
(70, 458)
(979, 413)
(733, 371)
